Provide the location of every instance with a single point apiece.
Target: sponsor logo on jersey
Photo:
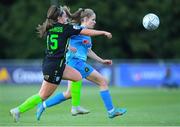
(77, 27)
(85, 41)
(56, 29)
(46, 77)
(57, 79)
(86, 69)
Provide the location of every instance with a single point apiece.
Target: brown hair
(73, 17)
(84, 13)
(52, 15)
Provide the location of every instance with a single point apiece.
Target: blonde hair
(79, 15)
(85, 13)
(73, 17)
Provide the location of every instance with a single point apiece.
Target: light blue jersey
(78, 59)
(82, 43)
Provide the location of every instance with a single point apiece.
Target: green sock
(30, 103)
(76, 92)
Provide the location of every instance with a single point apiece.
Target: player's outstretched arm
(90, 32)
(95, 57)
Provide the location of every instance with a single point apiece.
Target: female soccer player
(57, 32)
(76, 57)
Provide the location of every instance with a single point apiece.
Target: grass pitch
(146, 107)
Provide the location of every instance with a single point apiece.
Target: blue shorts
(80, 65)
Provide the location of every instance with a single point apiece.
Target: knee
(43, 95)
(77, 78)
(103, 83)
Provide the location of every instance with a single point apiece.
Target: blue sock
(105, 95)
(58, 98)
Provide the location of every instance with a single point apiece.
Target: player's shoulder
(61, 25)
(72, 26)
(57, 24)
(77, 27)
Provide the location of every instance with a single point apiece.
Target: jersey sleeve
(73, 30)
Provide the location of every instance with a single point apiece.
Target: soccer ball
(151, 21)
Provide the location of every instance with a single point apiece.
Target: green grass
(146, 107)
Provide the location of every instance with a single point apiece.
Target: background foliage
(123, 18)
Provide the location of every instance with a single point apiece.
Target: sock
(74, 107)
(58, 98)
(29, 103)
(76, 92)
(106, 97)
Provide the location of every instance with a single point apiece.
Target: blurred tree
(54, 2)
(18, 28)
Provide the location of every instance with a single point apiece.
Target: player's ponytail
(73, 17)
(52, 15)
(79, 15)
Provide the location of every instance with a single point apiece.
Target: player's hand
(107, 62)
(73, 49)
(108, 35)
